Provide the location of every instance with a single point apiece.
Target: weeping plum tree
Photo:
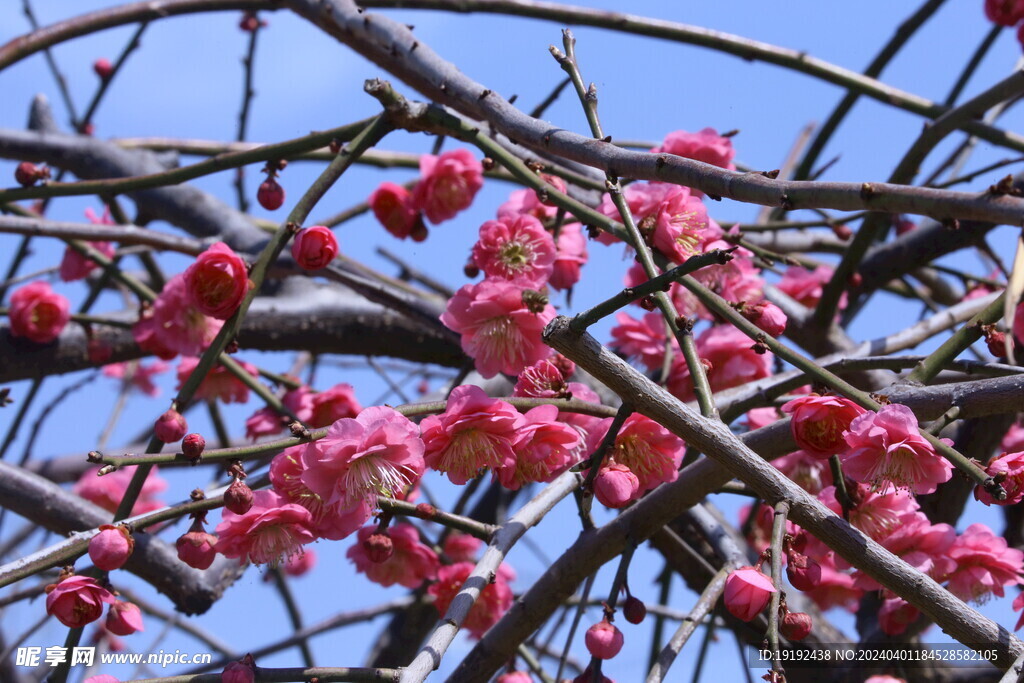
(718, 362)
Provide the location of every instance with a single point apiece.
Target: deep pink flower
(410, 564)
(730, 361)
(270, 532)
(747, 593)
(835, 589)
(474, 432)
(517, 249)
(108, 490)
(74, 266)
(643, 340)
(219, 382)
(570, 256)
(1009, 466)
(796, 625)
(267, 421)
(1004, 12)
(615, 485)
(650, 451)
(705, 145)
(761, 417)
(111, 547)
(171, 426)
(984, 564)
(217, 281)
(314, 247)
(767, 316)
(494, 600)
(102, 678)
(447, 184)
(819, 422)
(38, 313)
(604, 640)
(895, 615)
(460, 547)
(76, 601)
(514, 677)
(737, 281)
(196, 547)
(525, 202)
(544, 447)
(174, 325)
(394, 207)
(884, 678)
(332, 521)
(886, 447)
(332, 405)
(377, 453)
(806, 285)
(124, 618)
(876, 513)
(679, 225)
(139, 374)
(499, 330)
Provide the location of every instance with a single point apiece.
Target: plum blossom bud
(747, 592)
(171, 426)
(111, 547)
(195, 548)
(192, 446)
(803, 572)
(378, 547)
(238, 498)
(124, 618)
(616, 485)
(767, 316)
(103, 68)
(29, 174)
(588, 677)
(270, 195)
(634, 610)
(604, 640)
(515, 677)
(314, 247)
(796, 625)
(243, 671)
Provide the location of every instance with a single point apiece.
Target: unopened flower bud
(192, 446)
(803, 572)
(243, 671)
(314, 247)
(111, 547)
(238, 497)
(796, 625)
(171, 426)
(634, 610)
(103, 68)
(28, 174)
(604, 640)
(124, 618)
(378, 547)
(270, 195)
(195, 548)
(767, 316)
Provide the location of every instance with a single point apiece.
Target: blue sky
(185, 81)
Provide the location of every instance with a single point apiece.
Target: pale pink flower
(810, 473)
(473, 433)
(517, 249)
(679, 225)
(737, 281)
(806, 286)
(1010, 467)
(747, 593)
(819, 422)
(705, 145)
(895, 615)
(650, 451)
(500, 328)
(74, 266)
(984, 564)
(217, 281)
(219, 382)
(124, 618)
(38, 313)
(643, 200)
(108, 490)
(174, 325)
(876, 513)
(570, 256)
(544, 447)
(495, 598)
(140, 374)
(77, 601)
(410, 564)
(447, 184)
(377, 453)
(887, 448)
(269, 533)
(394, 207)
(921, 544)
(332, 521)
(301, 564)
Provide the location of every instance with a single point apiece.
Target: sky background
(186, 81)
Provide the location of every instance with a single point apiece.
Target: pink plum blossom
(139, 374)
(332, 521)
(1009, 467)
(108, 490)
(544, 449)
(806, 286)
(747, 593)
(174, 325)
(77, 600)
(271, 531)
(447, 184)
(124, 618)
(410, 564)
(495, 598)
(570, 256)
(75, 266)
(219, 382)
(38, 313)
(818, 422)
(679, 225)
(517, 249)
(705, 145)
(647, 449)
(876, 513)
(217, 281)
(984, 564)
